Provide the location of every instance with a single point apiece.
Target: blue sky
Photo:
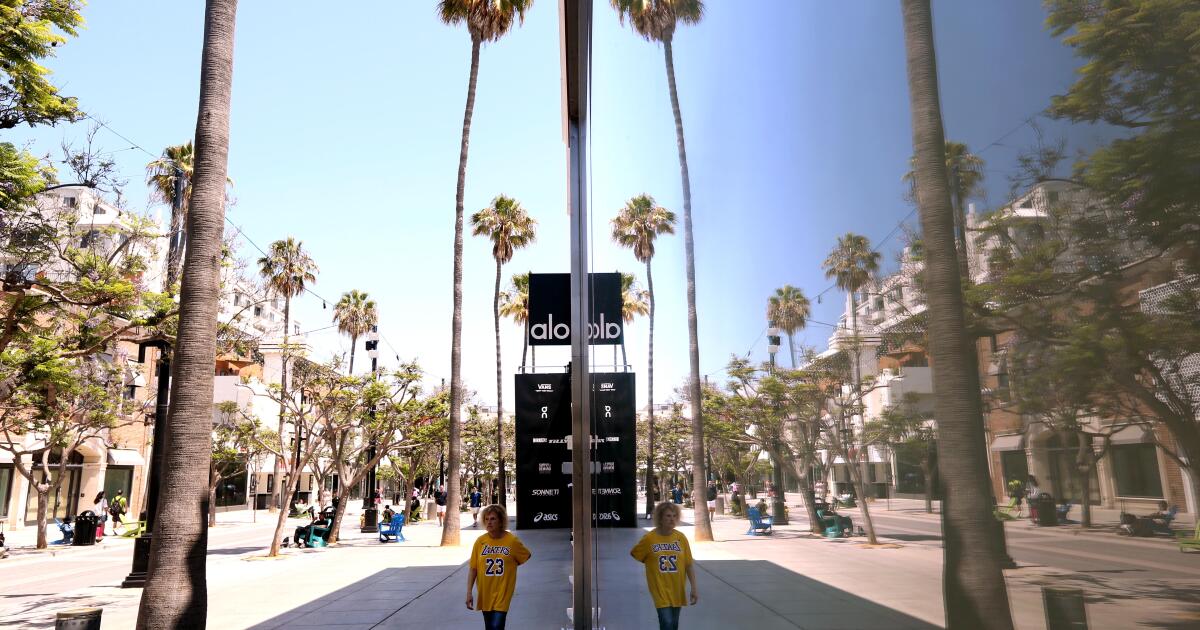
(346, 128)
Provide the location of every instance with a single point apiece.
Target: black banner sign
(614, 484)
(550, 309)
(543, 419)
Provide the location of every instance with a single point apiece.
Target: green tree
(33, 28)
(1147, 85)
(176, 163)
(355, 314)
(965, 170)
(789, 309)
(286, 270)
(176, 594)
(634, 302)
(235, 441)
(973, 580)
(637, 226)
(486, 21)
(656, 21)
(514, 304)
(509, 228)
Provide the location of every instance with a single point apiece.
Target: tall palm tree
(789, 309)
(973, 579)
(176, 593)
(486, 20)
(637, 226)
(965, 172)
(634, 302)
(177, 162)
(852, 264)
(656, 20)
(354, 315)
(287, 269)
(509, 228)
(514, 304)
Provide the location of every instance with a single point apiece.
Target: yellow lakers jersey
(667, 559)
(495, 561)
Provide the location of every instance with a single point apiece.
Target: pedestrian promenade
(785, 581)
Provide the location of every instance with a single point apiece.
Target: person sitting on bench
(303, 532)
(386, 518)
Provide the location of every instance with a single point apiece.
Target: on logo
(545, 412)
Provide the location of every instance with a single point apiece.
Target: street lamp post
(141, 544)
(370, 513)
(778, 504)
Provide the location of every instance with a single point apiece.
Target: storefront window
(1135, 467)
(6, 476)
(232, 489)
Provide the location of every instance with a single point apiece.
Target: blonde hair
(663, 508)
(499, 511)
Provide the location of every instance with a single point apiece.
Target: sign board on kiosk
(543, 425)
(550, 309)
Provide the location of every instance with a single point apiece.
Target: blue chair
(759, 524)
(316, 536)
(395, 529)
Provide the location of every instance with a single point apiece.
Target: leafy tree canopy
(29, 31)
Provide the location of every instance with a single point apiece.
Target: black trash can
(85, 528)
(78, 619)
(1047, 511)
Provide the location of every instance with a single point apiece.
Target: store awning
(1132, 434)
(1014, 442)
(125, 457)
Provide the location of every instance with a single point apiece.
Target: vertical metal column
(576, 24)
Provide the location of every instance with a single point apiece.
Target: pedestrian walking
(476, 503)
(117, 508)
(712, 500)
(493, 565)
(677, 494)
(667, 556)
(100, 509)
(439, 497)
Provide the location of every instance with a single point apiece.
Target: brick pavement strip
(788, 580)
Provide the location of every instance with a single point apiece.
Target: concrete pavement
(788, 580)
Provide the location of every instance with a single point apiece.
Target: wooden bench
(395, 530)
(131, 528)
(1188, 543)
(759, 524)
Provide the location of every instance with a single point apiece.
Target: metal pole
(141, 544)
(370, 514)
(576, 57)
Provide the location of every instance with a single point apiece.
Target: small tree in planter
(236, 440)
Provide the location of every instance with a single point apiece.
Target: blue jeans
(494, 619)
(668, 618)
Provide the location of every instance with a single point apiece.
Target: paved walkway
(786, 581)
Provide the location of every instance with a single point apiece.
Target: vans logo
(610, 467)
(545, 517)
(545, 387)
(608, 387)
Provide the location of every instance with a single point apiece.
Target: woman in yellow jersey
(494, 561)
(668, 557)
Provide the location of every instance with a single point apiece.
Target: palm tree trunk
(176, 594)
(450, 530)
(499, 389)
(973, 580)
(703, 531)
(779, 503)
(353, 346)
(650, 396)
(525, 344)
(792, 348)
